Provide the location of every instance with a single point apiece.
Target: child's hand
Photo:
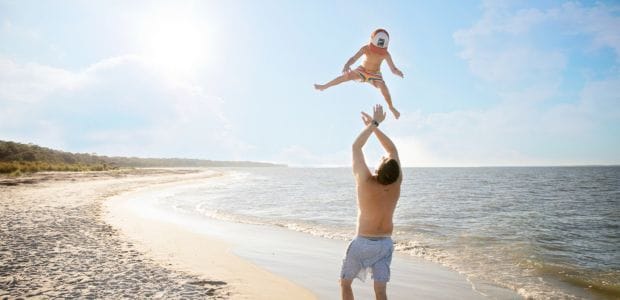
(398, 72)
(346, 69)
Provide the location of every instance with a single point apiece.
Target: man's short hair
(388, 172)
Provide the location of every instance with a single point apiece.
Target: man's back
(376, 204)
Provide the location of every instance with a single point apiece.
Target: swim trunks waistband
(375, 238)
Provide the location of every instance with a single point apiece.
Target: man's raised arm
(385, 141)
(360, 169)
(387, 144)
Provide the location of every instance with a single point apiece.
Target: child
(370, 70)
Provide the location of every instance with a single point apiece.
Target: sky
(487, 83)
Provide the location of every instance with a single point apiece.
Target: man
(377, 195)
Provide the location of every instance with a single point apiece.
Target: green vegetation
(17, 158)
(19, 167)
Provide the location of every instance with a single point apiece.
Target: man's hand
(378, 115)
(366, 118)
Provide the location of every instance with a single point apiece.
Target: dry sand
(196, 253)
(54, 242)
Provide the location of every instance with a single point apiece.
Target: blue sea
(544, 232)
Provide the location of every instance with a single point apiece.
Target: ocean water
(544, 232)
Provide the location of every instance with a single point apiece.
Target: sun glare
(174, 44)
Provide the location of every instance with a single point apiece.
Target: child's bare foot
(395, 113)
(319, 87)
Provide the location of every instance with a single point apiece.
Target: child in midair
(370, 69)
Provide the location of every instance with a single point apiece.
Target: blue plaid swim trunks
(368, 254)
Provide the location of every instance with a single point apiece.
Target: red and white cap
(379, 40)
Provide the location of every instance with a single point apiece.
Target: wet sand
(306, 261)
(195, 252)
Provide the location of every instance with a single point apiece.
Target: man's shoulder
(372, 184)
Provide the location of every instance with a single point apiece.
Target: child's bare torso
(372, 61)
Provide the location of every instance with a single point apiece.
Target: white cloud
(499, 48)
(414, 151)
(527, 78)
(512, 132)
(118, 106)
(32, 82)
(601, 22)
(515, 132)
(599, 104)
(10, 29)
(460, 138)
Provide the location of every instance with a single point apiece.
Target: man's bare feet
(319, 87)
(395, 113)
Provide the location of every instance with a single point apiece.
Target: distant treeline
(17, 158)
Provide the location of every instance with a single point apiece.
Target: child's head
(379, 40)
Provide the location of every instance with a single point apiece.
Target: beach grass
(17, 159)
(17, 168)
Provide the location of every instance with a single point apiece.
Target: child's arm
(394, 69)
(353, 59)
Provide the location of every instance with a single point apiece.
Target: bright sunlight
(175, 44)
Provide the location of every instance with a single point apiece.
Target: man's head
(388, 171)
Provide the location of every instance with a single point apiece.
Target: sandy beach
(88, 235)
(54, 242)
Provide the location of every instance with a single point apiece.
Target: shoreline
(92, 235)
(304, 260)
(197, 253)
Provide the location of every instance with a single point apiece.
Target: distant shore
(18, 159)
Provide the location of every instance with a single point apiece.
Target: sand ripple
(54, 243)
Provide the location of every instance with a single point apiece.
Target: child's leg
(338, 80)
(386, 94)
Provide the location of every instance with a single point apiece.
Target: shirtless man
(370, 69)
(377, 195)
